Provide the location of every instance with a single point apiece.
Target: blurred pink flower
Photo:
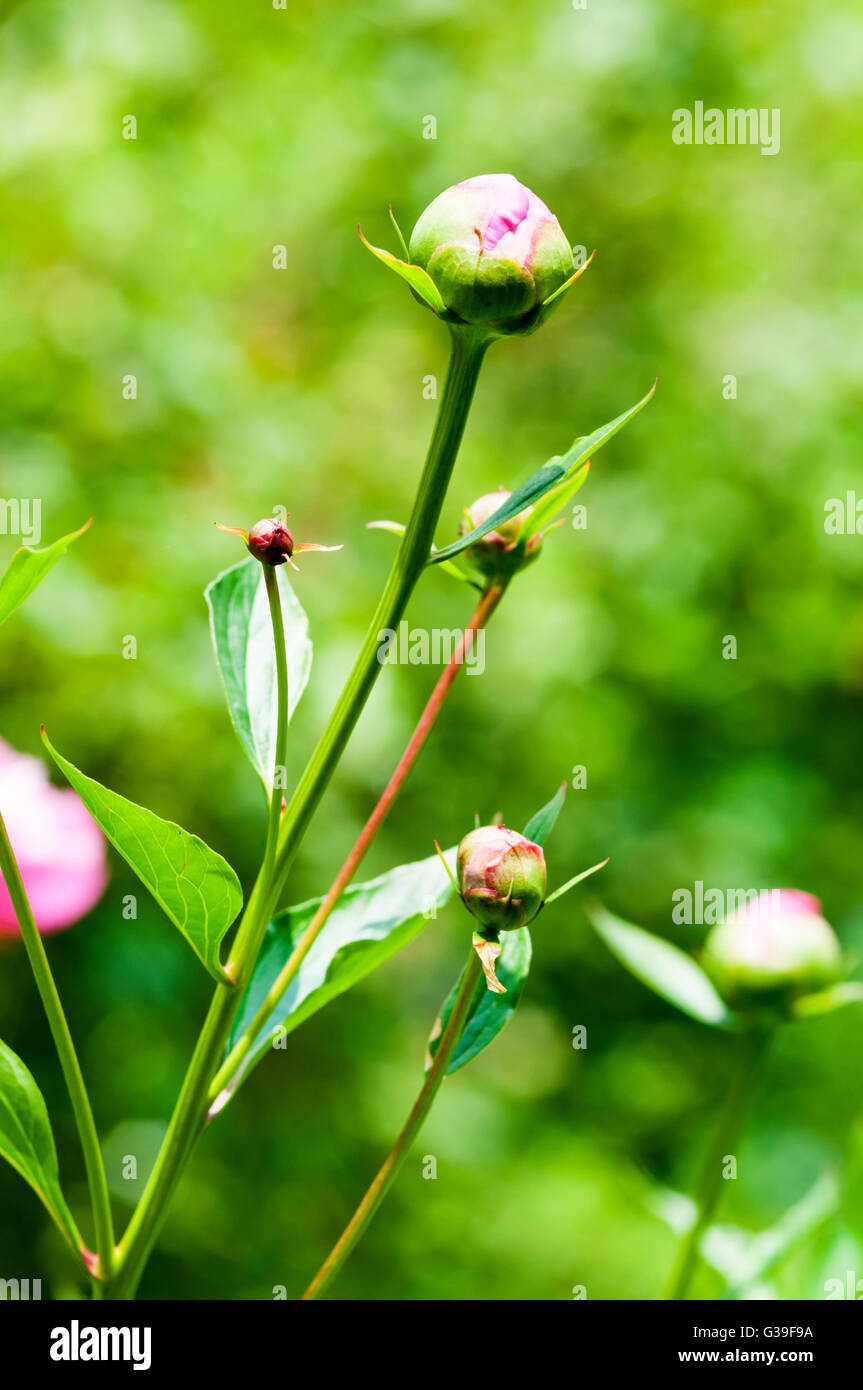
(59, 847)
(773, 904)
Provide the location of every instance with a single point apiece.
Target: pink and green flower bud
(499, 553)
(501, 877)
(494, 251)
(774, 949)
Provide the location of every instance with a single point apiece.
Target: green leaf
(419, 280)
(371, 922)
(26, 1141)
(489, 1012)
(556, 472)
(542, 823)
(27, 568)
(545, 511)
(196, 888)
(243, 638)
(664, 968)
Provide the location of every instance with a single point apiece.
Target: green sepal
(396, 528)
(542, 821)
(419, 280)
(570, 883)
(827, 1001)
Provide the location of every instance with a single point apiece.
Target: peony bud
(501, 877)
(772, 950)
(271, 542)
(494, 251)
(59, 848)
(498, 554)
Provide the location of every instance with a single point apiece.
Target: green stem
(271, 579)
(96, 1179)
(387, 1174)
(743, 1082)
(190, 1111)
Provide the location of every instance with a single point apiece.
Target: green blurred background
(257, 387)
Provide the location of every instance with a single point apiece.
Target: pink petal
(59, 848)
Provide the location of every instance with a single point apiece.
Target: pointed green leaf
(419, 280)
(195, 887)
(372, 922)
(243, 639)
(546, 510)
(27, 568)
(26, 1141)
(489, 1012)
(664, 968)
(541, 824)
(552, 474)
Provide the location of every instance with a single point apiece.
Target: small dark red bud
(271, 542)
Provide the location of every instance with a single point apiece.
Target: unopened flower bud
(501, 877)
(271, 542)
(772, 950)
(498, 553)
(494, 250)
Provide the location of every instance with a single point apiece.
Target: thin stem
(221, 1088)
(387, 1174)
(190, 1111)
(271, 580)
(96, 1179)
(754, 1046)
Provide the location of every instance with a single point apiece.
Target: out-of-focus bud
(501, 877)
(499, 553)
(59, 848)
(494, 251)
(271, 542)
(774, 949)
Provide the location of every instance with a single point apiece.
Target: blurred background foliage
(154, 257)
